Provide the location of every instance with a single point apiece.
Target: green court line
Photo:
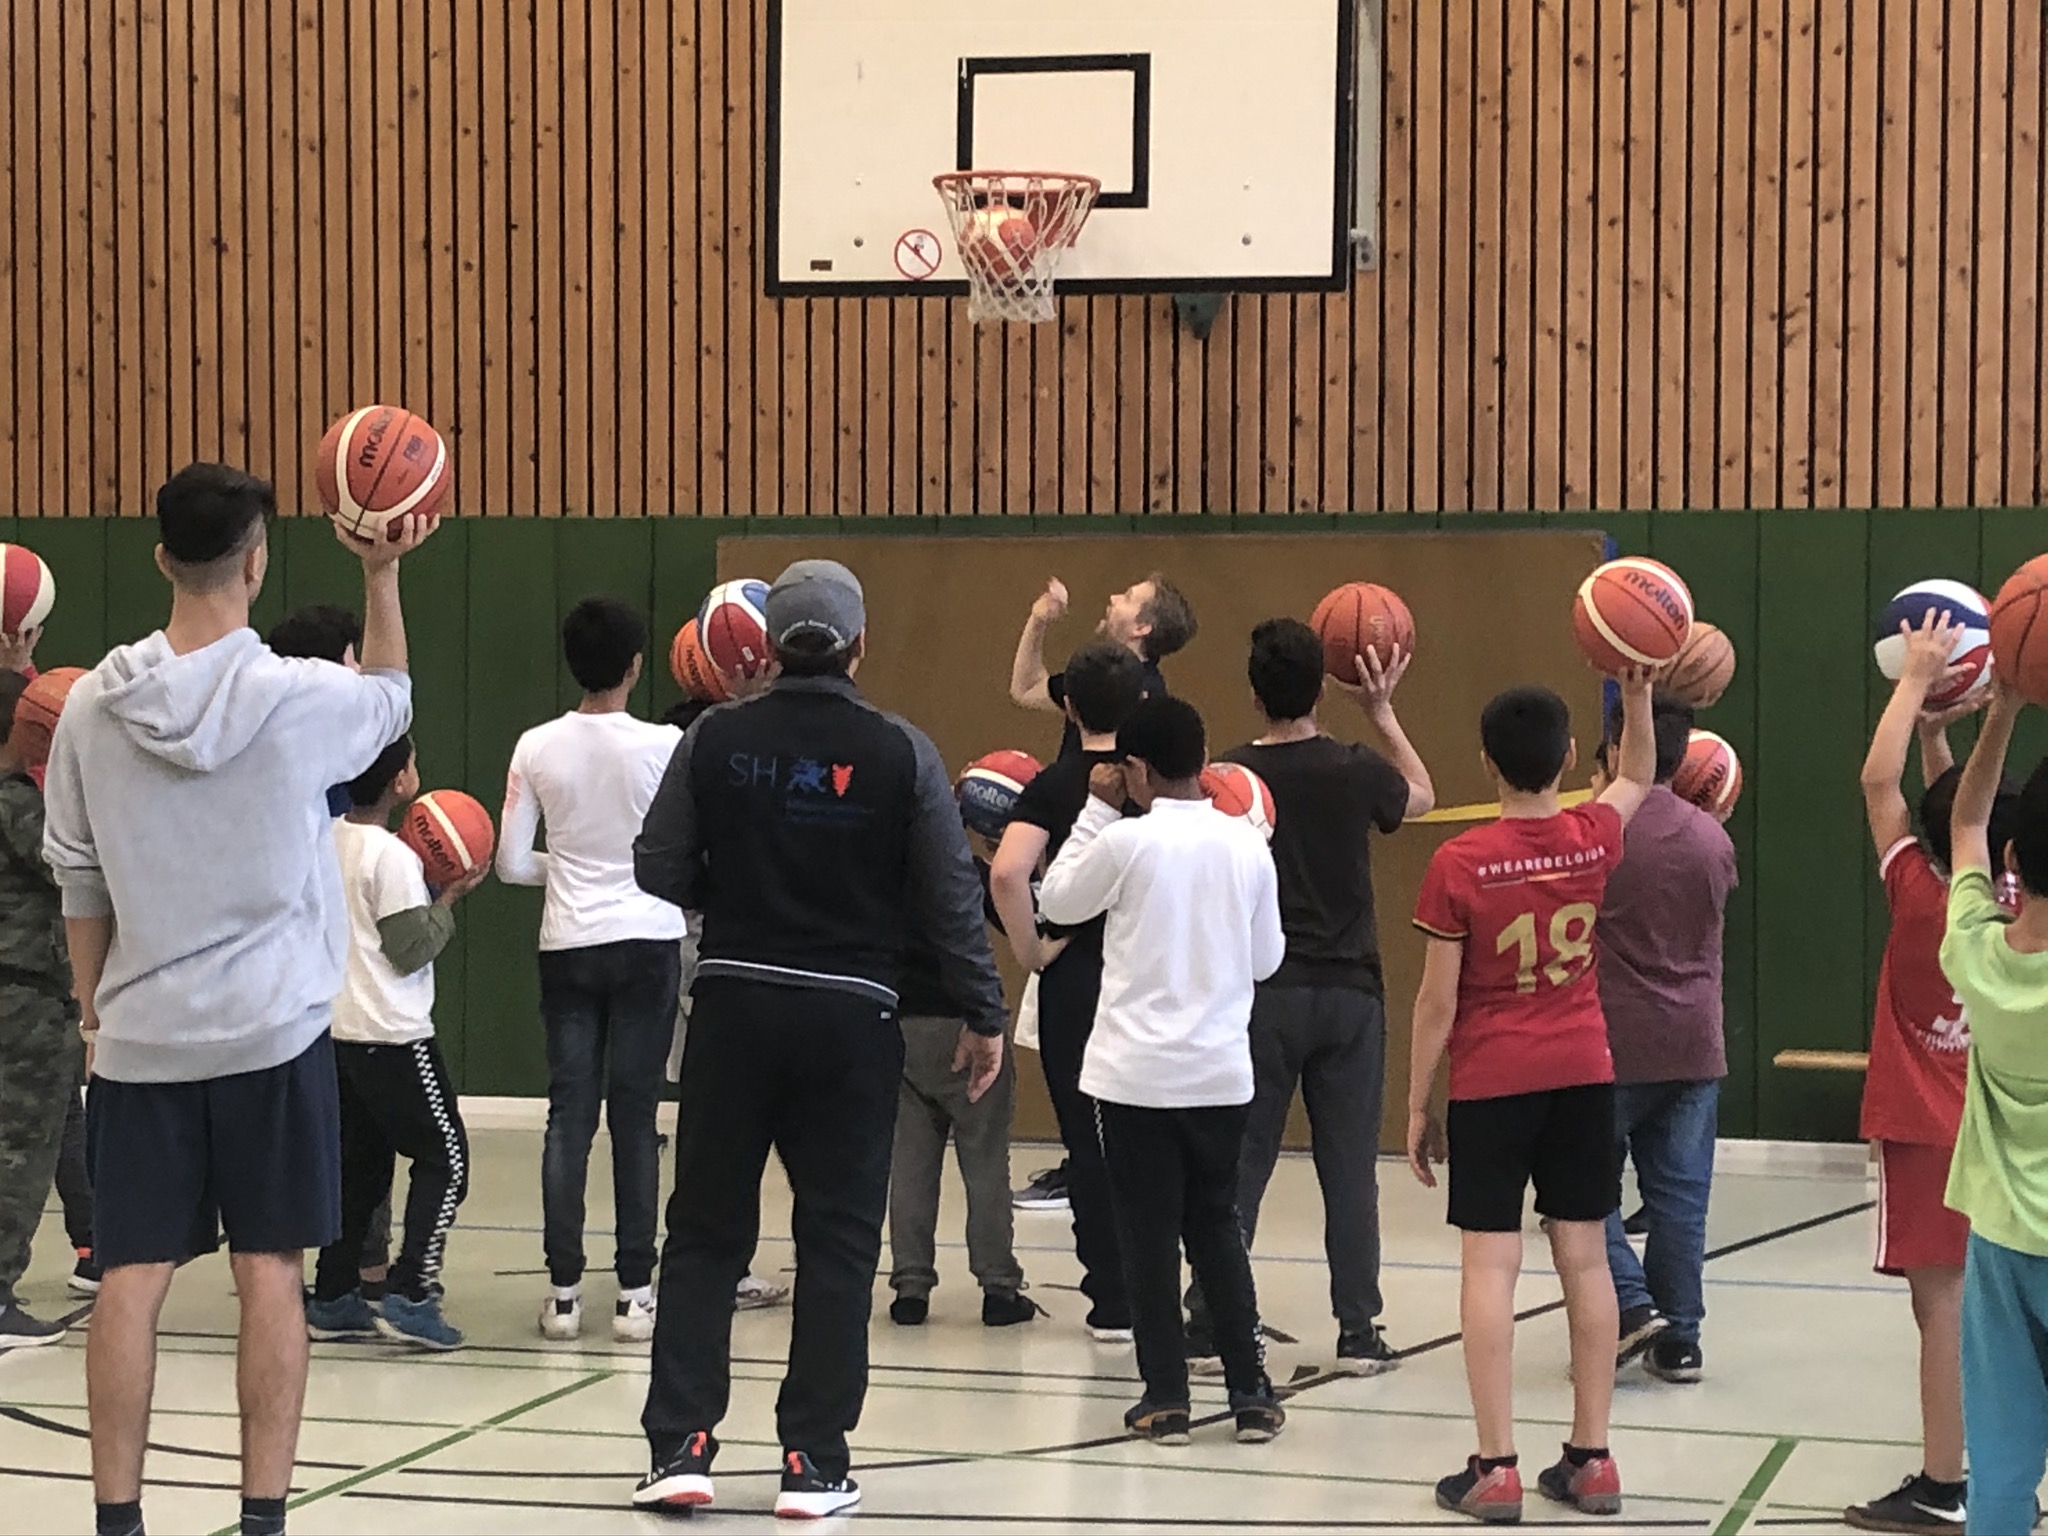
(1754, 1490)
(357, 1479)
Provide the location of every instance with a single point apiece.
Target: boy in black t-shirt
(1103, 685)
(1321, 1019)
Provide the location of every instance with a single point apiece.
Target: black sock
(374, 1290)
(1495, 1463)
(262, 1517)
(118, 1519)
(1579, 1455)
(1935, 1482)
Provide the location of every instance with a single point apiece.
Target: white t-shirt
(380, 876)
(590, 778)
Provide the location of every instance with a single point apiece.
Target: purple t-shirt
(1659, 939)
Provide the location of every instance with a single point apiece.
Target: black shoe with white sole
(1259, 1418)
(1676, 1360)
(1365, 1354)
(1917, 1504)
(682, 1481)
(1161, 1423)
(18, 1330)
(808, 1494)
(1639, 1329)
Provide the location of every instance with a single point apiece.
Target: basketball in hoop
(1011, 228)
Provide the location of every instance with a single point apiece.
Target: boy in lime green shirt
(1999, 1178)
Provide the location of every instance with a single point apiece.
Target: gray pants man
(1333, 1042)
(932, 1103)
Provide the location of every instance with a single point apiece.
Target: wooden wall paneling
(1239, 423)
(394, 201)
(1832, 151)
(468, 313)
(948, 410)
(1641, 435)
(1212, 428)
(736, 244)
(644, 260)
(1487, 173)
(1580, 82)
(847, 409)
(231, 347)
(1140, 476)
(1397, 243)
(1049, 445)
(53, 268)
(1706, 362)
(1988, 296)
(684, 187)
(424, 308)
(14, 252)
(878, 380)
(554, 380)
(2022, 389)
(587, 240)
(823, 415)
(1796, 421)
(1671, 356)
(1607, 485)
(1766, 251)
(906, 388)
(1896, 34)
(1105, 405)
(1276, 416)
(1457, 298)
(1548, 236)
(769, 382)
(191, 183)
(1923, 244)
(265, 320)
(494, 69)
(1180, 409)
(715, 401)
(1427, 320)
(1737, 228)
(1958, 249)
(153, 236)
(99, 114)
(615, 217)
(307, 383)
(358, 200)
(1517, 255)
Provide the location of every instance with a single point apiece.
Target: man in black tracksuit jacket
(816, 835)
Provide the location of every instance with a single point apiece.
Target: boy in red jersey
(1919, 1059)
(1508, 989)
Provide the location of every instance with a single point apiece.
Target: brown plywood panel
(942, 627)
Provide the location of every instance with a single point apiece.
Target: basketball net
(1011, 228)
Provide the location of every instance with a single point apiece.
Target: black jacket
(819, 839)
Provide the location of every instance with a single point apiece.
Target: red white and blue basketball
(732, 626)
(1236, 791)
(27, 589)
(988, 787)
(1970, 649)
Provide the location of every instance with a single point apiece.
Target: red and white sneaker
(683, 1481)
(1593, 1489)
(1495, 1496)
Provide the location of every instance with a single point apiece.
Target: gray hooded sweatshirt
(187, 798)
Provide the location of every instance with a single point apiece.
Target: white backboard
(1221, 132)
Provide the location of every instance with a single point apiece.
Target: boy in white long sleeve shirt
(1193, 923)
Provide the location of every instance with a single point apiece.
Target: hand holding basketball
(1375, 693)
(1928, 648)
(18, 652)
(455, 890)
(1051, 605)
(403, 535)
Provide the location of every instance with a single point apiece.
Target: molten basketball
(692, 669)
(451, 832)
(988, 788)
(1969, 652)
(380, 463)
(27, 590)
(37, 711)
(1703, 668)
(1001, 240)
(1710, 776)
(1631, 612)
(1236, 791)
(732, 626)
(1359, 617)
(2019, 640)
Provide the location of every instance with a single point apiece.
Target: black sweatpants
(812, 1074)
(1067, 993)
(1173, 1175)
(396, 1101)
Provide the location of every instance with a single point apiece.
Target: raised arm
(1884, 766)
(1028, 676)
(1969, 822)
(383, 648)
(1636, 762)
(1375, 695)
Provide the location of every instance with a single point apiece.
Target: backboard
(1222, 134)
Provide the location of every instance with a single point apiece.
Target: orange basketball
(1236, 791)
(1631, 612)
(1704, 667)
(451, 832)
(2019, 642)
(1710, 776)
(380, 463)
(1361, 616)
(691, 666)
(36, 713)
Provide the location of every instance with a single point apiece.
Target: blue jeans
(2005, 1383)
(1669, 1129)
(616, 1001)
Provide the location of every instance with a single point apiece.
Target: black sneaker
(1677, 1360)
(1163, 1424)
(1917, 1504)
(1198, 1343)
(18, 1330)
(1006, 1309)
(85, 1275)
(1639, 1329)
(1366, 1354)
(807, 1494)
(1259, 1418)
(1047, 1191)
(909, 1311)
(1637, 1225)
(683, 1481)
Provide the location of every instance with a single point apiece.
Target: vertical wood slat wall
(1696, 253)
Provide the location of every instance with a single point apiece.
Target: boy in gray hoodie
(187, 828)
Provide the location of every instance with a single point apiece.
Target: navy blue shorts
(258, 1154)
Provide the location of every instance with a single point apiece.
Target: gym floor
(1809, 1401)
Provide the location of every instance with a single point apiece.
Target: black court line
(73, 1432)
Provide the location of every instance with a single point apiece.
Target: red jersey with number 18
(1523, 895)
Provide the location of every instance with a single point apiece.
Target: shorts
(1915, 1227)
(1562, 1139)
(258, 1154)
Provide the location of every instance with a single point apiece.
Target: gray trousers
(1332, 1041)
(931, 1103)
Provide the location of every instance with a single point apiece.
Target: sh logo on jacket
(812, 791)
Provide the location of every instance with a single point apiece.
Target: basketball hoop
(1011, 228)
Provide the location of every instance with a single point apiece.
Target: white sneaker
(1111, 1335)
(755, 1293)
(633, 1321)
(561, 1318)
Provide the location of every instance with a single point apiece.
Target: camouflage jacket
(32, 948)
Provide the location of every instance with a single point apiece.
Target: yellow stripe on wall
(1491, 811)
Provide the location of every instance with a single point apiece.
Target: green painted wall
(1797, 592)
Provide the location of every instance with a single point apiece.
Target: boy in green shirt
(1999, 1178)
